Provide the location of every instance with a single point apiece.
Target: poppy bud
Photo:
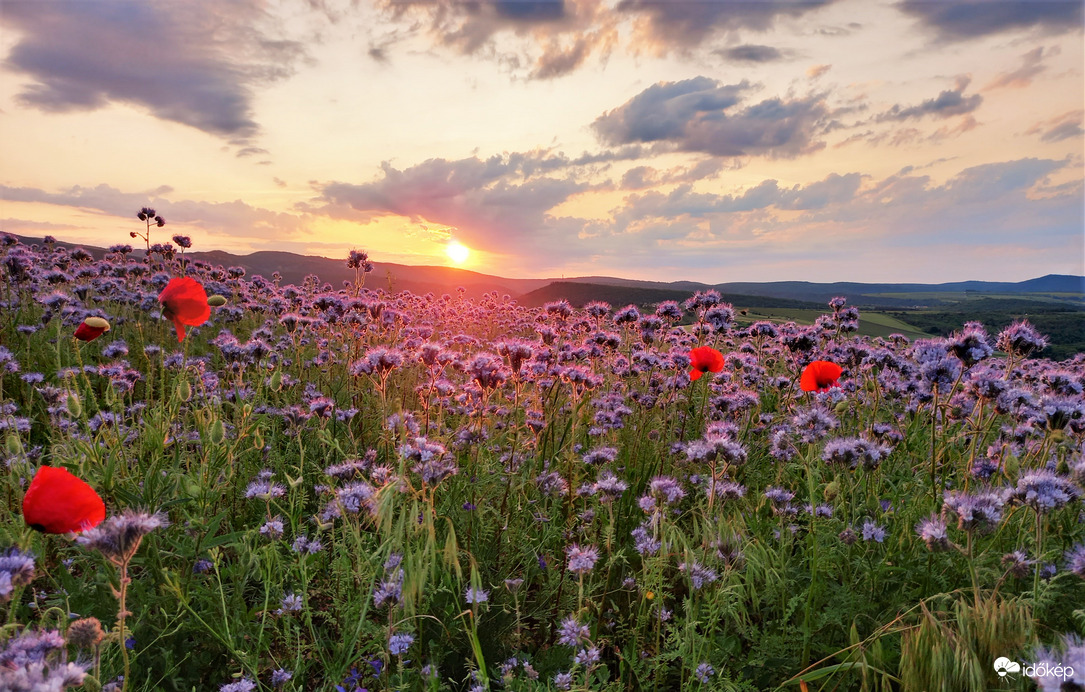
(216, 301)
(276, 380)
(1012, 465)
(184, 390)
(217, 432)
(831, 491)
(841, 408)
(13, 444)
(75, 408)
(91, 328)
(258, 440)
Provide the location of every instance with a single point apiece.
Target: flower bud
(74, 406)
(831, 491)
(216, 301)
(13, 445)
(184, 390)
(85, 633)
(217, 432)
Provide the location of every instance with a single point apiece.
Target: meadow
(341, 488)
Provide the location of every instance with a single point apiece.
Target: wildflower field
(217, 482)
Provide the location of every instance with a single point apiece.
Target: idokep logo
(1043, 669)
(1004, 666)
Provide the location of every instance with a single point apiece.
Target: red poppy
(185, 302)
(819, 376)
(91, 328)
(58, 502)
(704, 359)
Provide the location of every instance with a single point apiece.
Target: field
(872, 324)
(347, 489)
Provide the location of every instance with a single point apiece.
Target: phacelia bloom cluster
(977, 511)
(118, 537)
(37, 660)
(1043, 490)
(16, 569)
(581, 560)
(933, 532)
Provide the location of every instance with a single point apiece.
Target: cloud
(643, 177)
(817, 70)
(683, 201)
(701, 115)
(558, 35)
(193, 62)
(853, 222)
(1065, 126)
(962, 20)
(25, 226)
(1031, 65)
(500, 204)
(751, 53)
(664, 26)
(228, 218)
(947, 104)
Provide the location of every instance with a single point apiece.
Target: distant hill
(579, 294)
(1067, 290)
(416, 279)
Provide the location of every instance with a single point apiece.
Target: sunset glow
(457, 253)
(709, 141)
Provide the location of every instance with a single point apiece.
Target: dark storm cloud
(194, 63)
(966, 19)
(702, 115)
(670, 24)
(751, 53)
(948, 103)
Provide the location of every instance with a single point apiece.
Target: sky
(764, 140)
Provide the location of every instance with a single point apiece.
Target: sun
(457, 253)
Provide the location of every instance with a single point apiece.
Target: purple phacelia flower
(581, 560)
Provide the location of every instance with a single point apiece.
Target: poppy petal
(819, 376)
(85, 332)
(706, 359)
(59, 502)
(184, 301)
